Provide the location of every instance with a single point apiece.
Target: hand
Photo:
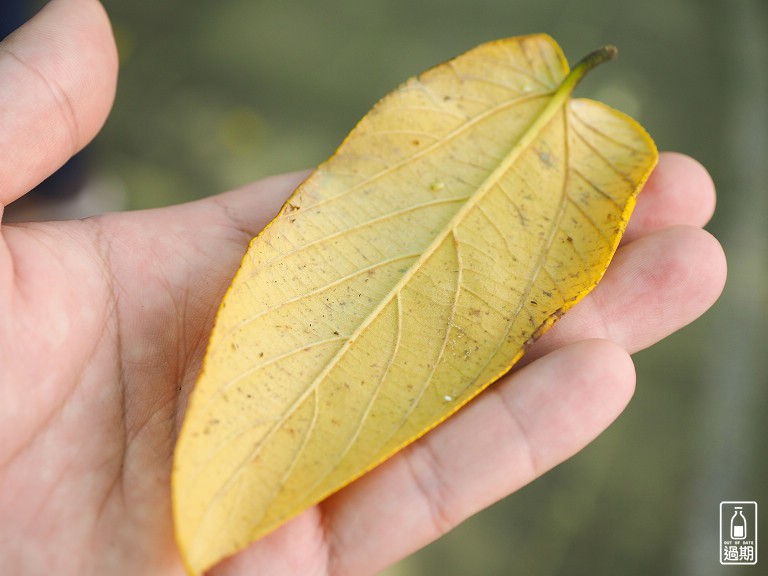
(103, 324)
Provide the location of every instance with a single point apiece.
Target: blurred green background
(213, 95)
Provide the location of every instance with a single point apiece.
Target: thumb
(58, 74)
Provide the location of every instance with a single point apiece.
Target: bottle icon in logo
(738, 525)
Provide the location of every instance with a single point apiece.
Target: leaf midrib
(558, 99)
(527, 137)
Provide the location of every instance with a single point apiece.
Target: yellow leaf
(462, 216)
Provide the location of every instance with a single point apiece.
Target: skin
(104, 321)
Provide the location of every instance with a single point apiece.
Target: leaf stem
(590, 61)
(570, 82)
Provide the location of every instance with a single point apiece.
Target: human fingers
(654, 286)
(679, 192)
(522, 426)
(57, 82)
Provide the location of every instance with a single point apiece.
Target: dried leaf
(463, 215)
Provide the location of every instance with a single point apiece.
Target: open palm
(103, 324)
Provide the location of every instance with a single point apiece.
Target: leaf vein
(365, 224)
(455, 133)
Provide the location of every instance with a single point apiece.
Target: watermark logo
(738, 533)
